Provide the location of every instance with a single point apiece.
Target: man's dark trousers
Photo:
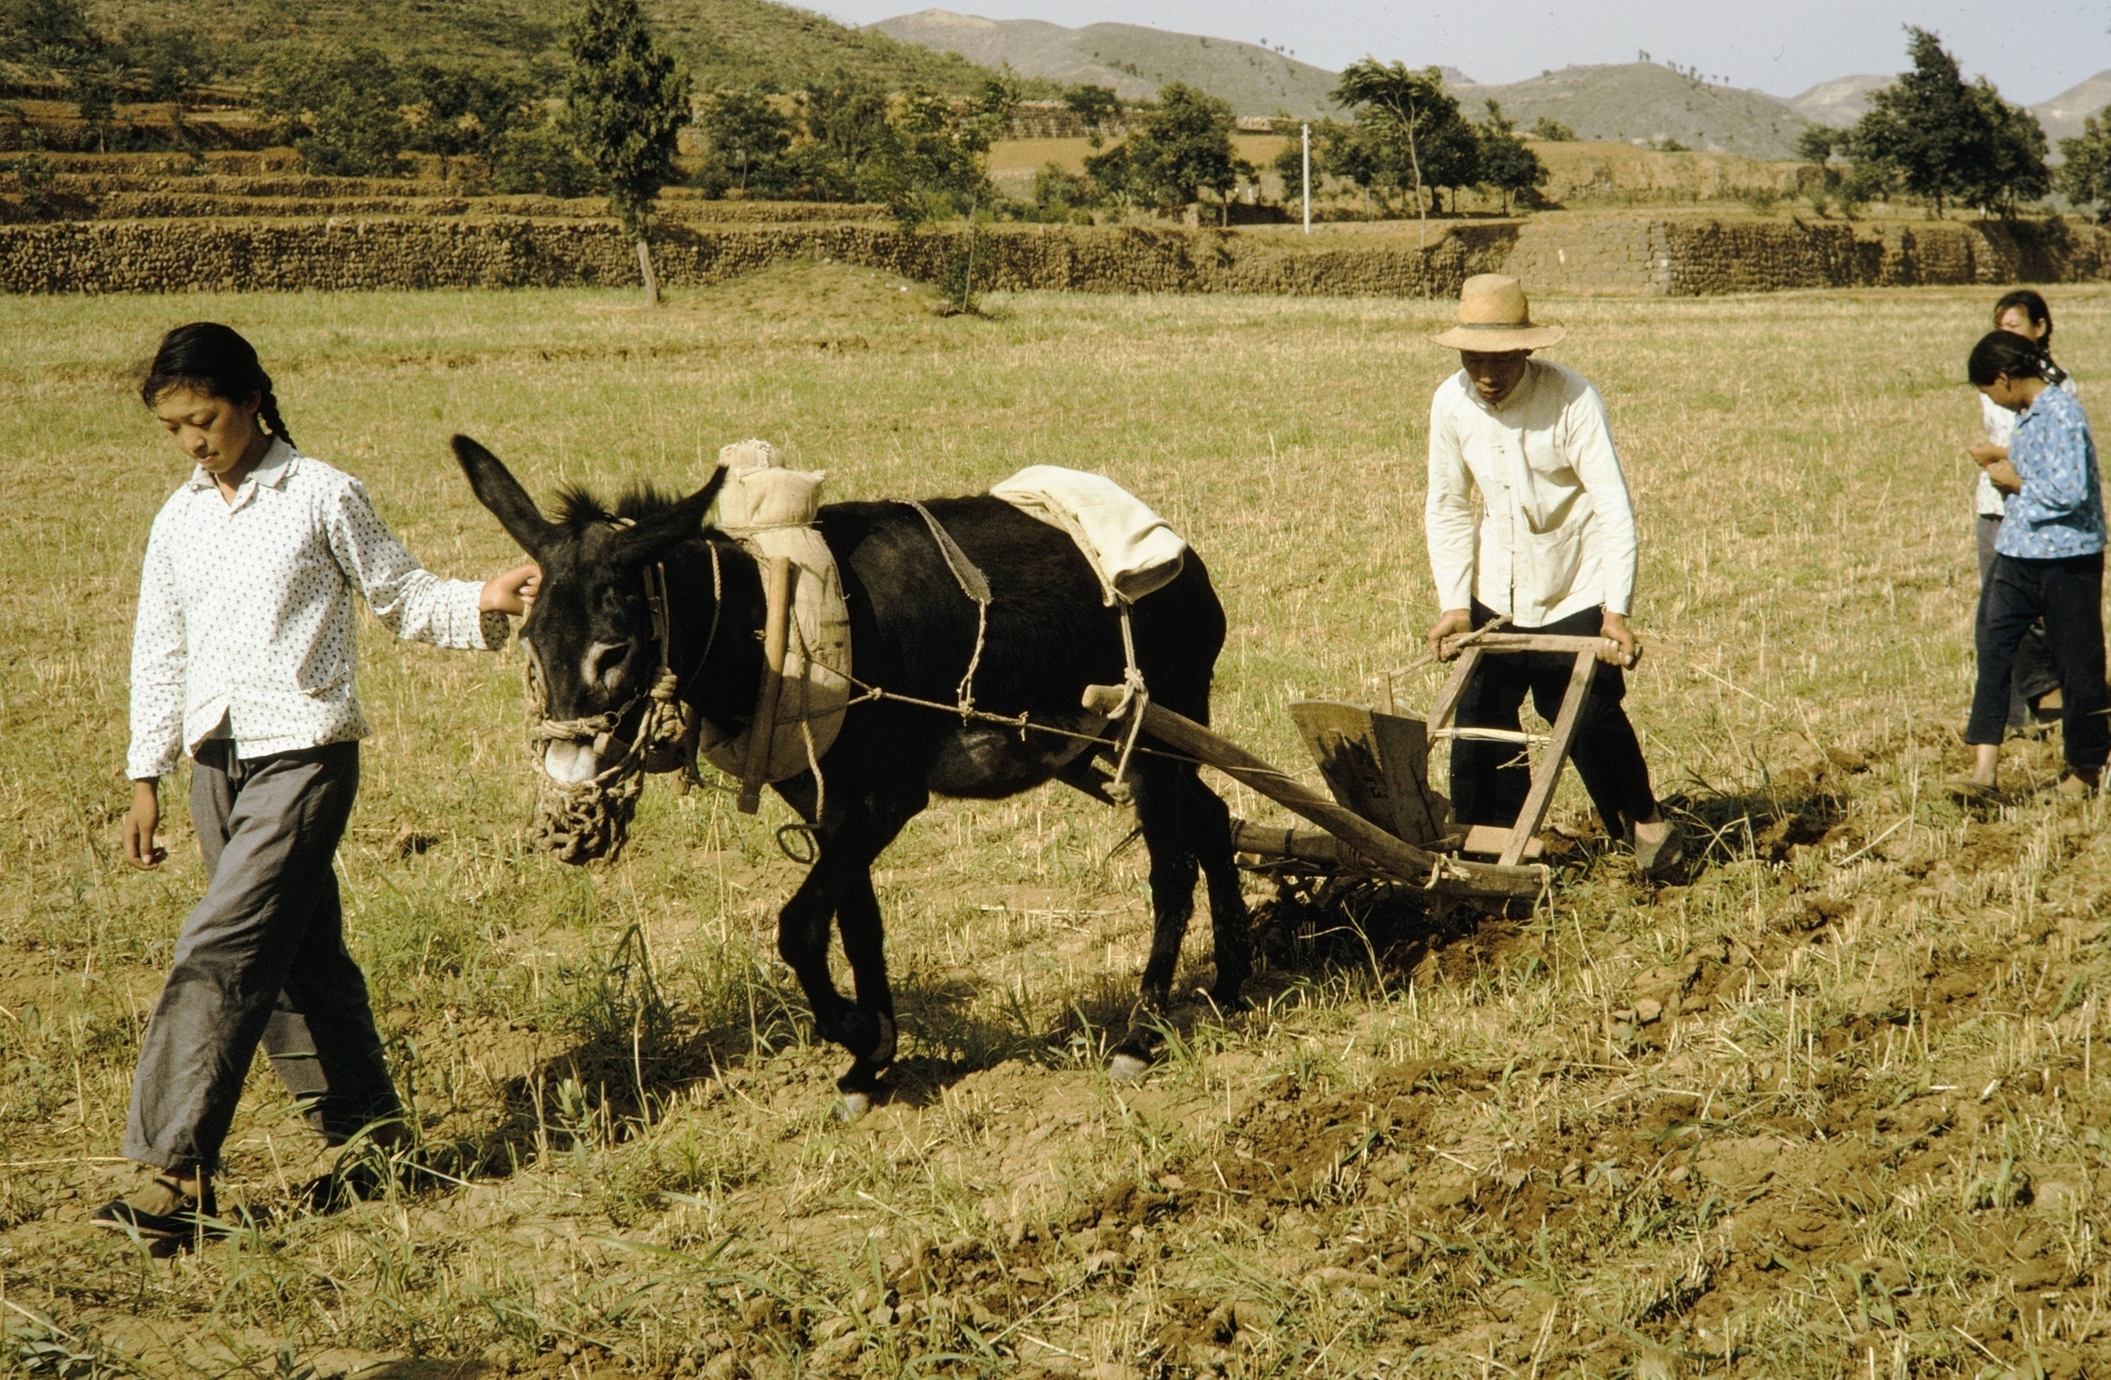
(1489, 781)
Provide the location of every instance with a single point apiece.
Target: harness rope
(584, 820)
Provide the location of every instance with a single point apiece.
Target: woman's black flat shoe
(162, 1233)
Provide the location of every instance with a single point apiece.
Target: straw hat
(1493, 319)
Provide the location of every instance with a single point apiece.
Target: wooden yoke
(762, 732)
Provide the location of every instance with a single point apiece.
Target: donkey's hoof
(870, 1036)
(853, 1106)
(1127, 1068)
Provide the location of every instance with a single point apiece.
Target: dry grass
(1863, 1135)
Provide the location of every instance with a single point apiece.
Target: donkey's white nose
(568, 762)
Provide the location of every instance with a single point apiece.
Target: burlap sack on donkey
(770, 511)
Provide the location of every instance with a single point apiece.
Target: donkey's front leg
(864, 944)
(802, 941)
(839, 886)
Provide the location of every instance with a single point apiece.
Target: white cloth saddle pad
(770, 511)
(1131, 549)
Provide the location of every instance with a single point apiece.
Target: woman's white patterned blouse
(245, 612)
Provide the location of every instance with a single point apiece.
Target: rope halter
(588, 821)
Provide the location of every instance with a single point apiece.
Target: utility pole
(1308, 179)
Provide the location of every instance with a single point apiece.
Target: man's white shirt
(245, 612)
(1554, 533)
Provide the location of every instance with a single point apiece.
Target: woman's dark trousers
(261, 959)
(2068, 594)
(1489, 781)
(2033, 674)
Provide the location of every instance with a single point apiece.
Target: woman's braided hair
(2017, 356)
(215, 360)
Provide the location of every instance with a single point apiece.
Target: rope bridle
(582, 821)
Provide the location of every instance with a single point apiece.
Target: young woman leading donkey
(598, 645)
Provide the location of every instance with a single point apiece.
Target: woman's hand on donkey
(512, 592)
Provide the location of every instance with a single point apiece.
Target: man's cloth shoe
(2073, 787)
(1659, 858)
(164, 1217)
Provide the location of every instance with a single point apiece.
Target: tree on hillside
(57, 36)
(540, 157)
(845, 123)
(49, 35)
(2011, 167)
(1818, 143)
(1175, 152)
(463, 109)
(173, 59)
(1551, 131)
(1098, 107)
(746, 137)
(931, 160)
(2085, 172)
(337, 107)
(1926, 127)
(1506, 164)
(626, 98)
(1410, 111)
(1371, 152)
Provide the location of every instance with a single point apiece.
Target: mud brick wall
(431, 252)
(1697, 256)
(1652, 256)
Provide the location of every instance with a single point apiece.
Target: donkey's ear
(498, 490)
(650, 538)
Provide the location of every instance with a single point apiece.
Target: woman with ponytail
(243, 656)
(2034, 687)
(2048, 562)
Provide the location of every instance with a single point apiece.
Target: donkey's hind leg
(1209, 836)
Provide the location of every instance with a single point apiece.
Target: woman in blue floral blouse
(2048, 563)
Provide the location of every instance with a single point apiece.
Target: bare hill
(2062, 116)
(726, 43)
(1839, 102)
(1624, 102)
(1134, 60)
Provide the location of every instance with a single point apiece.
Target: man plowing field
(1551, 550)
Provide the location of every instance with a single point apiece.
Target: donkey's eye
(603, 660)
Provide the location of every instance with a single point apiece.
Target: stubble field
(1828, 1107)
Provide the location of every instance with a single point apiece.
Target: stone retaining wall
(72, 198)
(1625, 255)
(251, 255)
(1702, 256)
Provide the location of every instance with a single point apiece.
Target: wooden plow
(1381, 818)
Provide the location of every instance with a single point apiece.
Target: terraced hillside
(725, 42)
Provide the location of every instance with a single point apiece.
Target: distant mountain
(1132, 59)
(1839, 102)
(725, 43)
(1628, 101)
(2062, 116)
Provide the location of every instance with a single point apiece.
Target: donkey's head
(590, 640)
